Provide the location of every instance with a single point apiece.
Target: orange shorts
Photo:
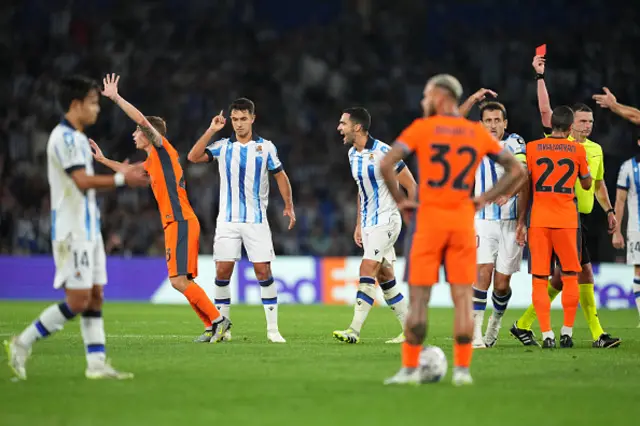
(182, 243)
(544, 242)
(453, 248)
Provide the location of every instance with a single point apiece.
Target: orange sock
(203, 317)
(199, 299)
(570, 298)
(542, 303)
(410, 355)
(462, 353)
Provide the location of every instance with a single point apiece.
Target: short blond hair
(448, 83)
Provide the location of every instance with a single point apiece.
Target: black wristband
(611, 211)
(539, 76)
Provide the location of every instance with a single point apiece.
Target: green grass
(312, 380)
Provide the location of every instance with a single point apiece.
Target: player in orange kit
(448, 148)
(555, 163)
(181, 226)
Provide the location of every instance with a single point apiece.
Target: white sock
(478, 321)
(51, 320)
(395, 300)
(566, 331)
(269, 295)
(93, 336)
(636, 292)
(222, 297)
(548, 334)
(364, 302)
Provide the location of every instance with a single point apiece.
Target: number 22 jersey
(555, 164)
(449, 150)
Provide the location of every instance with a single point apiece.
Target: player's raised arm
(608, 100)
(544, 104)
(200, 153)
(479, 96)
(111, 91)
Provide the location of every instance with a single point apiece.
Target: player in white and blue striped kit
(245, 161)
(499, 255)
(629, 192)
(378, 224)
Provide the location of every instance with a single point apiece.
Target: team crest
(371, 157)
(259, 149)
(168, 255)
(78, 276)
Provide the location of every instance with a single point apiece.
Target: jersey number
(81, 259)
(440, 156)
(559, 187)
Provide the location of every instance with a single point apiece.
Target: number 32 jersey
(449, 150)
(555, 164)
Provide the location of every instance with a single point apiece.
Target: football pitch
(311, 380)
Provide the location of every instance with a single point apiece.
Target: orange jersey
(167, 183)
(449, 150)
(555, 164)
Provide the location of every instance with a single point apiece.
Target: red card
(541, 50)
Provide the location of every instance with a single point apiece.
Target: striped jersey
(244, 181)
(629, 180)
(488, 174)
(74, 213)
(377, 206)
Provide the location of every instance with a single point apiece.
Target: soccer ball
(432, 364)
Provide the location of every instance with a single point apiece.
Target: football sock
(588, 304)
(51, 320)
(93, 336)
(198, 298)
(541, 303)
(269, 295)
(364, 302)
(500, 302)
(462, 353)
(636, 292)
(570, 298)
(479, 306)
(529, 317)
(395, 300)
(410, 355)
(222, 297)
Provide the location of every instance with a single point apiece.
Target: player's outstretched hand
(606, 100)
(501, 200)
(218, 122)
(481, 94)
(135, 175)
(479, 202)
(96, 151)
(110, 83)
(618, 240)
(357, 236)
(521, 234)
(288, 211)
(538, 64)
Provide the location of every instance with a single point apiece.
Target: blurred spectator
(187, 60)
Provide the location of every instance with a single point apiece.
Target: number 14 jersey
(449, 150)
(555, 164)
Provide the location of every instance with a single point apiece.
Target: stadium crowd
(185, 61)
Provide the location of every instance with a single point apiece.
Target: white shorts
(633, 248)
(496, 244)
(256, 238)
(379, 241)
(80, 264)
